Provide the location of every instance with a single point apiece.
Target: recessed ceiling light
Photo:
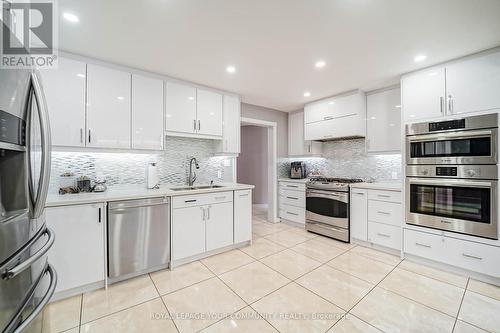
(71, 17)
(397, 106)
(121, 98)
(331, 103)
(373, 118)
(191, 98)
(230, 69)
(307, 94)
(80, 75)
(320, 64)
(420, 58)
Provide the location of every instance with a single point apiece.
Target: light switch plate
(219, 174)
(394, 175)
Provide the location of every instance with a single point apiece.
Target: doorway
(256, 165)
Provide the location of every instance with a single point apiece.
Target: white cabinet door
(383, 114)
(147, 113)
(334, 107)
(242, 216)
(64, 89)
(297, 146)
(180, 108)
(209, 112)
(108, 107)
(231, 139)
(188, 232)
(423, 94)
(359, 214)
(78, 253)
(473, 84)
(219, 225)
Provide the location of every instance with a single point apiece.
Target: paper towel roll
(152, 176)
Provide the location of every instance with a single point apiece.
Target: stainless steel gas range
(327, 206)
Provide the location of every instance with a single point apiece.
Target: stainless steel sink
(201, 187)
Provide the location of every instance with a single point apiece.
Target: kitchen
(132, 191)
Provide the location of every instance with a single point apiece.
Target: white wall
(279, 117)
(252, 166)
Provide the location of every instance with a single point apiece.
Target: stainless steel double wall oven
(452, 175)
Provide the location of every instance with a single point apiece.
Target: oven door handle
(451, 135)
(452, 182)
(316, 194)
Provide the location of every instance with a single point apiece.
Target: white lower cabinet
(242, 216)
(359, 214)
(292, 201)
(188, 232)
(78, 253)
(384, 234)
(477, 257)
(219, 225)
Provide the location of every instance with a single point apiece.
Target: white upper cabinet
(231, 125)
(336, 117)
(180, 109)
(147, 113)
(64, 89)
(423, 94)
(108, 107)
(209, 113)
(297, 146)
(473, 84)
(383, 113)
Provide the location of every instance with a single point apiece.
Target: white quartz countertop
(135, 192)
(290, 180)
(383, 185)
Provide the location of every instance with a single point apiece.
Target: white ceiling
(274, 44)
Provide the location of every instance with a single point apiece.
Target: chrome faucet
(192, 174)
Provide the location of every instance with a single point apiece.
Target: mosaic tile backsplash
(348, 158)
(129, 168)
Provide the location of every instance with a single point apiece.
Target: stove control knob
(471, 172)
(425, 172)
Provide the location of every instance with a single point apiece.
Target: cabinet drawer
(424, 245)
(385, 212)
(391, 196)
(385, 235)
(292, 186)
(474, 256)
(292, 213)
(201, 199)
(292, 198)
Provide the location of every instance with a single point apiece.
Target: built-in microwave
(470, 140)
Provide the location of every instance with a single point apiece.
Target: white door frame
(272, 164)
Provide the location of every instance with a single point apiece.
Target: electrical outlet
(219, 174)
(394, 175)
(227, 162)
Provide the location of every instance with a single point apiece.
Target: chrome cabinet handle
(383, 196)
(9, 273)
(199, 125)
(292, 213)
(81, 135)
(293, 186)
(450, 104)
(191, 200)
(471, 256)
(220, 198)
(384, 213)
(194, 125)
(41, 195)
(208, 215)
(441, 104)
(328, 118)
(292, 198)
(244, 195)
(423, 245)
(203, 213)
(358, 193)
(383, 235)
(90, 135)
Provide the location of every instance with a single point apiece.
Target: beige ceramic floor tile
(336, 243)
(481, 311)
(390, 312)
(304, 232)
(291, 309)
(243, 321)
(337, 287)
(463, 327)
(73, 330)
(62, 315)
(451, 278)
(386, 258)
(227, 261)
(366, 269)
(261, 248)
(263, 230)
(167, 281)
(149, 317)
(318, 250)
(255, 236)
(119, 296)
(287, 238)
(433, 293)
(291, 264)
(253, 281)
(196, 307)
(485, 289)
(352, 324)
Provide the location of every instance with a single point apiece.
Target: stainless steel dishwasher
(138, 237)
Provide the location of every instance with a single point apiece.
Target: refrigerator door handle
(41, 195)
(9, 273)
(45, 300)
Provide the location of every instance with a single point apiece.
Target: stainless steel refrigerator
(27, 280)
